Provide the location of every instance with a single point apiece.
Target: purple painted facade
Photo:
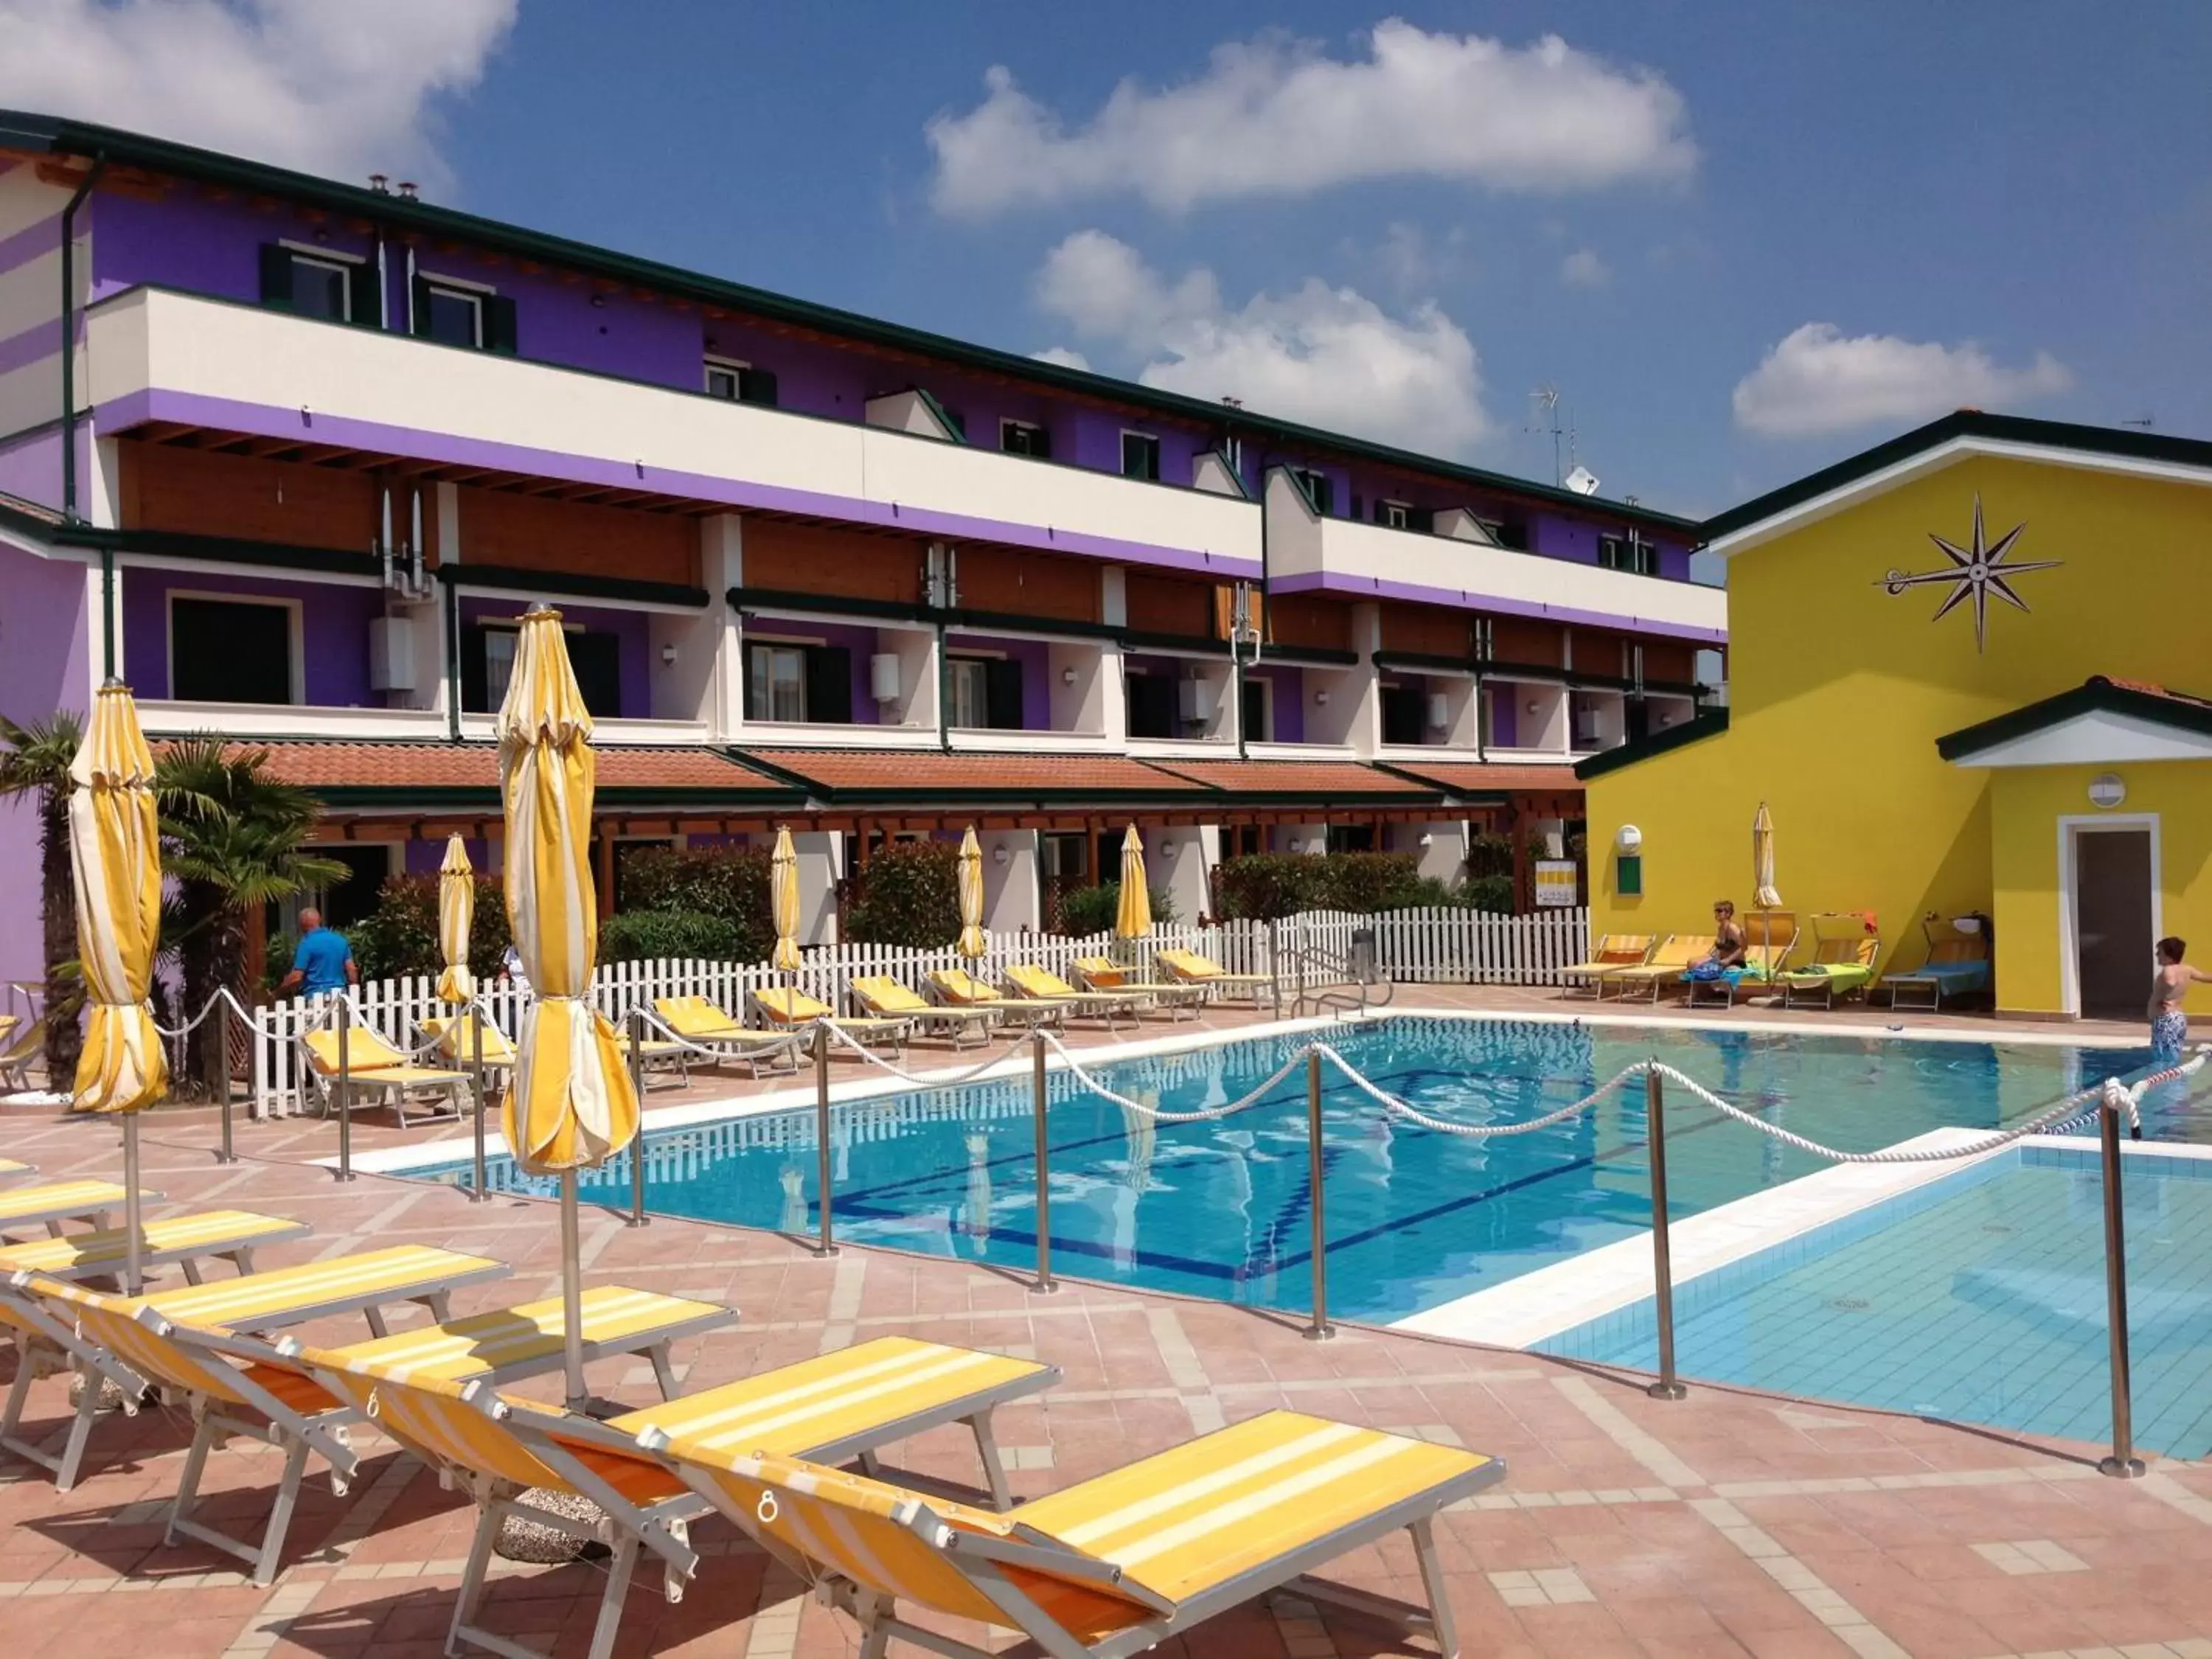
(860, 643)
(422, 858)
(332, 637)
(1287, 700)
(1035, 657)
(1504, 719)
(44, 665)
(632, 628)
(31, 468)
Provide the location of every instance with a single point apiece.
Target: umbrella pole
(133, 1275)
(572, 1294)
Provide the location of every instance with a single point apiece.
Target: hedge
(1270, 886)
(400, 936)
(910, 896)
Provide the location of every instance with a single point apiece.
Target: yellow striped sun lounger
(839, 1405)
(884, 998)
(1041, 984)
(12, 1170)
(232, 1236)
(1614, 950)
(706, 1024)
(15, 1059)
(1193, 968)
(50, 1316)
(53, 1202)
(374, 1065)
(1113, 1565)
(1104, 974)
(958, 988)
(1663, 967)
(788, 1007)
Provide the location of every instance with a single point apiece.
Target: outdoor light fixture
(1067, 676)
(1167, 849)
(999, 853)
(668, 655)
(1533, 705)
(1321, 697)
(2106, 791)
(1628, 839)
(1296, 846)
(1427, 839)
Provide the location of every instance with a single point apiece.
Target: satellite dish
(1581, 481)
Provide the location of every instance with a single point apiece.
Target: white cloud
(1063, 357)
(319, 85)
(1276, 117)
(1326, 356)
(1583, 269)
(1818, 380)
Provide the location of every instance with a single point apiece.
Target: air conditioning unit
(1439, 712)
(1586, 725)
(391, 654)
(884, 676)
(1194, 700)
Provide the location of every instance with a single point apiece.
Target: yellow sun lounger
(1844, 954)
(1041, 984)
(706, 1024)
(1614, 950)
(789, 1008)
(840, 1405)
(1104, 974)
(1770, 938)
(1663, 967)
(884, 998)
(1194, 969)
(15, 1059)
(11, 1169)
(455, 1036)
(1116, 1564)
(184, 1240)
(373, 1064)
(52, 1316)
(958, 988)
(53, 1202)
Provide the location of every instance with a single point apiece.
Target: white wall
(817, 874)
(1080, 706)
(1175, 863)
(1009, 889)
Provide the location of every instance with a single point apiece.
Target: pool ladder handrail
(1345, 995)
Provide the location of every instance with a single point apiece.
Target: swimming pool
(1979, 1298)
(1415, 1218)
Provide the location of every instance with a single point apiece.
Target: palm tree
(35, 763)
(233, 839)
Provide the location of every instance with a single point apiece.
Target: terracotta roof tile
(1293, 777)
(912, 770)
(1486, 778)
(2145, 688)
(399, 766)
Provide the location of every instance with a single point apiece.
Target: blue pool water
(1978, 1299)
(1415, 1218)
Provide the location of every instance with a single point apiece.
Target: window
(1320, 493)
(230, 650)
(1259, 708)
(1349, 838)
(1140, 456)
(498, 650)
(1151, 699)
(334, 287)
(1067, 856)
(458, 313)
(488, 665)
(1404, 711)
(1021, 438)
(1393, 515)
(740, 383)
(985, 693)
(1630, 552)
(802, 683)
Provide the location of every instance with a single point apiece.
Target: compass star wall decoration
(1975, 573)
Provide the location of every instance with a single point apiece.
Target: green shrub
(1269, 886)
(910, 896)
(646, 935)
(1087, 910)
(1490, 855)
(1266, 886)
(730, 884)
(1365, 883)
(1491, 893)
(400, 936)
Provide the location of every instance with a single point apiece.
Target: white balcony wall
(1666, 710)
(1337, 709)
(1175, 866)
(685, 664)
(1079, 705)
(1540, 715)
(1447, 569)
(1011, 895)
(281, 374)
(164, 717)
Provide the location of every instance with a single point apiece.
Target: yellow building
(1960, 669)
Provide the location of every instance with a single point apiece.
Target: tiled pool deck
(1730, 1524)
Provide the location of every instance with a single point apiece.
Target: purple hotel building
(312, 448)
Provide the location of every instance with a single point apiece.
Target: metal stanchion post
(1668, 1387)
(481, 1189)
(222, 1017)
(2123, 1464)
(637, 1143)
(345, 1088)
(1320, 1330)
(1044, 1280)
(826, 1240)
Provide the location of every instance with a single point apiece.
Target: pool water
(1979, 1298)
(1414, 1218)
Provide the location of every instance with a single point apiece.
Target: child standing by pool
(2169, 1026)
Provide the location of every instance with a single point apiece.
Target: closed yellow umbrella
(972, 944)
(1762, 861)
(783, 901)
(456, 914)
(572, 1105)
(115, 848)
(1132, 916)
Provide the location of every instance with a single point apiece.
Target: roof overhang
(2099, 724)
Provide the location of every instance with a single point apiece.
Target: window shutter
(475, 683)
(1040, 442)
(276, 277)
(499, 325)
(422, 306)
(1002, 695)
(1359, 507)
(366, 294)
(829, 684)
(756, 385)
(1423, 519)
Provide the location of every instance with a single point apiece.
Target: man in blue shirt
(324, 962)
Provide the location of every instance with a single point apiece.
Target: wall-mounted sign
(1976, 572)
(1559, 883)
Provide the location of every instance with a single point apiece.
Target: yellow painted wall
(2031, 801)
(1839, 690)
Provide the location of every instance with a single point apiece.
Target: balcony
(1340, 556)
(157, 354)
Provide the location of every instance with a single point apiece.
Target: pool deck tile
(1732, 1523)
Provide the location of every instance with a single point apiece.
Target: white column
(1011, 895)
(1364, 719)
(721, 637)
(818, 878)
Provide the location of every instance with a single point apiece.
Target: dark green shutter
(1359, 508)
(1423, 519)
(829, 685)
(422, 307)
(1040, 442)
(276, 277)
(1002, 695)
(756, 385)
(475, 693)
(499, 325)
(366, 295)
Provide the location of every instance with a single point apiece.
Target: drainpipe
(69, 515)
(452, 660)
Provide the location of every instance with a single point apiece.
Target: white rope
(1206, 1114)
(221, 995)
(653, 1021)
(1397, 1108)
(898, 1071)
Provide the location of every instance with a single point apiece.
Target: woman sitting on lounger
(1727, 949)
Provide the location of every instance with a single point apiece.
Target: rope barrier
(838, 1032)
(653, 1021)
(1397, 1108)
(1206, 1114)
(222, 994)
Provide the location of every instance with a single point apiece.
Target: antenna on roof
(1581, 481)
(1546, 419)
(2146, 422)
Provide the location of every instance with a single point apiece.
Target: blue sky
(1894, 207)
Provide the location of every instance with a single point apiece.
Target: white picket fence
(1430, 946)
